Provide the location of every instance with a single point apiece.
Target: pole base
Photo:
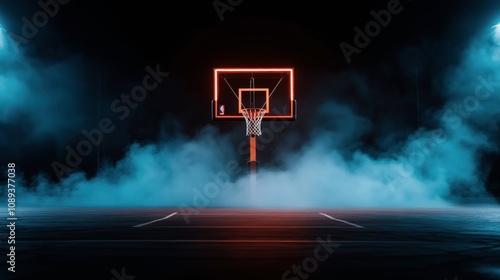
(253, 167)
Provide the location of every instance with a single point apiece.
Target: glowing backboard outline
(218, 72)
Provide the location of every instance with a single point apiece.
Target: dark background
(109, 44)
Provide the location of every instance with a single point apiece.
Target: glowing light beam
(2, 36)
(496, 33)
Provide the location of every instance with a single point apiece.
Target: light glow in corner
(2, 36)
(496, 33)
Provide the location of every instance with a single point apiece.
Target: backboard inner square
(264, 90)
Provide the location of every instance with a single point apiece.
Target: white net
(253, 118)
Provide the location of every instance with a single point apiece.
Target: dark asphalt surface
(163, 243)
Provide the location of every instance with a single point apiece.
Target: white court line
(330, 217)
(154, 221)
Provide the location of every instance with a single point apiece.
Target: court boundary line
(342, 221)
(157, 220)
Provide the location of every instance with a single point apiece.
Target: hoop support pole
(253, 163)
(253, 148)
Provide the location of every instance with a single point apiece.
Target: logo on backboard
(221, 110)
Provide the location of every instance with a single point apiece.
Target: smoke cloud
(440, 163)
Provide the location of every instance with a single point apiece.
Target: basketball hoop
(253, 118)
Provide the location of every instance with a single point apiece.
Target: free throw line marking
(157, 220)
(342, 221)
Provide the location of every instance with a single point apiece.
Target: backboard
(271, 89)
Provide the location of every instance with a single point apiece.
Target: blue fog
(433, 166)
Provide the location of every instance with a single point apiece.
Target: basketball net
(253, 118)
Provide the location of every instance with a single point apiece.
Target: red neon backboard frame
(217, 83)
